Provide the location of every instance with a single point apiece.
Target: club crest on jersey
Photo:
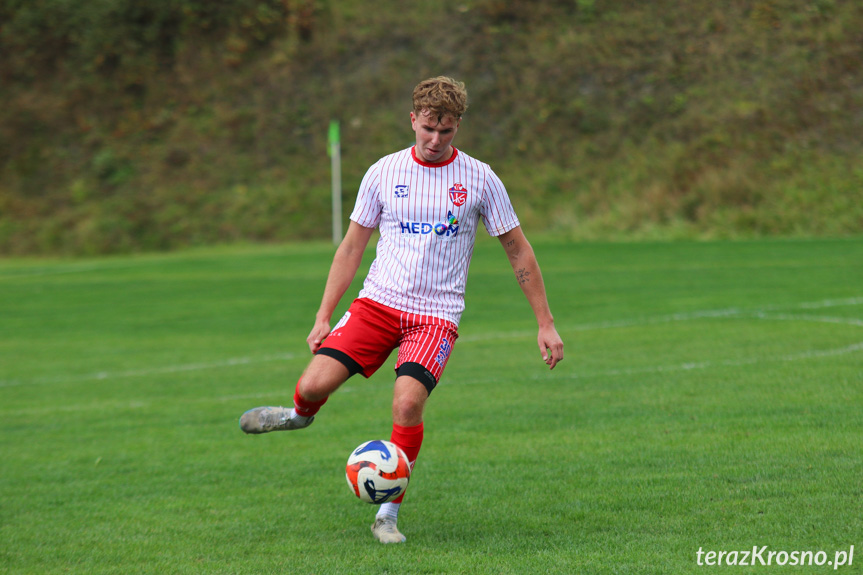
(401, 190)
(458, 194)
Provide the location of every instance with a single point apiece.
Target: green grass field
(711, 397)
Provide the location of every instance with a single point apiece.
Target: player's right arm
(346, 262)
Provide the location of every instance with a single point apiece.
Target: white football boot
(267, 419)
(385, 530)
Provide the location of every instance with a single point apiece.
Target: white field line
(694, 315)
(347, 388)
(798, 317)
(99, 375)
(810, 354)
(729, 313)
(831, 303)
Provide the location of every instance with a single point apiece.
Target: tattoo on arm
(510, 243)
(523, 276)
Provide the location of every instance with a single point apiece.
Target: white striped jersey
(428, 215)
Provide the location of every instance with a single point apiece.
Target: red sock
(409, 439)
(303, 406)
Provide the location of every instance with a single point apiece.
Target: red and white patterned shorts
(370, 331)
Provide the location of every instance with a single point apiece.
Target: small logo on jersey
(447, 228)
(401, 190)
(443, 352)
(458, 194)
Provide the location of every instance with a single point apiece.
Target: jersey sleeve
(497, 212)
(368, 207)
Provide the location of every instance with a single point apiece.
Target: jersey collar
(439, 164)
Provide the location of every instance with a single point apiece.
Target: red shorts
(369, 331)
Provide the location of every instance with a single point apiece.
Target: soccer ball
(378, 471)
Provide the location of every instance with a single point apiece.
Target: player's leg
(423, 354)
(323, 376)
(409, 399)
(360, 343)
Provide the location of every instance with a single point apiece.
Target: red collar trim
(439, 164)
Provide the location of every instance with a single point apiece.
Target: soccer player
(427, 200)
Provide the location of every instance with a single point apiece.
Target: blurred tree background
(133, 125)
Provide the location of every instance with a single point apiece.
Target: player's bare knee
(408, 410)
(322, 377)
(312, 390)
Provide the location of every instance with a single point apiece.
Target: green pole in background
(336, 161)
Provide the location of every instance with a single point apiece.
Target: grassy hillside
(128, 127)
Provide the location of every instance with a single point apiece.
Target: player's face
(434, 139)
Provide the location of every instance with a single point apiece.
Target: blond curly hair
(441, 96)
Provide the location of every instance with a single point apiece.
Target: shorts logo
(443, 352)
(401, 190)
(458, 195)
(446, 228)
(341, 323)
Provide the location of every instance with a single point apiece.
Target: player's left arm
(526, 268)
